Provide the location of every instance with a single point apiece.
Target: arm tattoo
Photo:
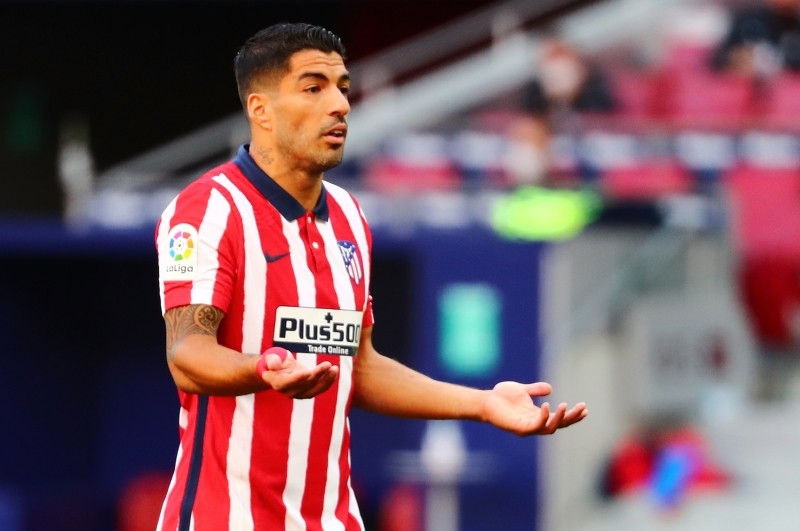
(192, 319)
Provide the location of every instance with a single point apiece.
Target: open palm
(510, 406)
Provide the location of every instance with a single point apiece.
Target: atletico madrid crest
(352, 260)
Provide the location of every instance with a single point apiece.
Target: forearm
(383, 385)
(200, 365)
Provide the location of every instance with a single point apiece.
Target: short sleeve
(369, 318)
(196, 245)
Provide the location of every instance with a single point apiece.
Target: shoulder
(211, 193)
(224, 176)
(340, 195)
(223, 179)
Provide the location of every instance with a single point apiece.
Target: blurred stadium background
(601, 194)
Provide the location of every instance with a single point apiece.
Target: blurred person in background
(566, 82)
(762, 39)
(566, 86)
(264, 274)
(525, 160)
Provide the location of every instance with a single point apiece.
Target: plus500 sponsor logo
(317, 326)
(336, 332)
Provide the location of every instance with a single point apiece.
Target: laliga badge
(179, 254)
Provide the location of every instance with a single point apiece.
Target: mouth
(336, 134)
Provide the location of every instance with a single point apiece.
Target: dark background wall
(88, 403)
(143, 72)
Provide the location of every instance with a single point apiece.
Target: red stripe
(325, 403)
(343, 231)
(317, 472)
(270, 459)
(175, 496)
(343, 509)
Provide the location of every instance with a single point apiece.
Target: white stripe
(354, 510)
(302, 410)
(329, 520)
(356, 268)
(160, 525)
(161, 241)
(255, 287)
(341, 278)
(210, 232)
(346, 297)
(306, 287)
(354, 216)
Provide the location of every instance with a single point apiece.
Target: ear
(259, 110)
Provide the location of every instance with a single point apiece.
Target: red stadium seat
(781, 102)
(765, 209)
(687, 56)
(646, 180)
(633, 92)
(390, 175)
(705, 99)
(766, 223)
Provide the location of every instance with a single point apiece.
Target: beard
(310, 156)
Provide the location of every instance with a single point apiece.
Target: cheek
(294, 126)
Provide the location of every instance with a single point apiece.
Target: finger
(287, 376)
(544, 415)
(576, 414)
(299, 384)
(322, 384)
(554, 422)
(538, 389)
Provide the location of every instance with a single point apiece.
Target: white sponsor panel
(318, 330)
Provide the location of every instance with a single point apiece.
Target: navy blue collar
(287, 205)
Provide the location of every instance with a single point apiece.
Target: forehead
(316, 61)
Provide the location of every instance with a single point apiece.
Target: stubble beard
(311, 158)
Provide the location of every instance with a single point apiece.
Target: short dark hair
(267, 53)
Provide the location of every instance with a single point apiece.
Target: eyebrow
(321, 76)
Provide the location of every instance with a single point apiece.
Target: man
(762, 39)
(258, 253)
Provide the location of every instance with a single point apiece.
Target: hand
(510, 406)
(294, 380)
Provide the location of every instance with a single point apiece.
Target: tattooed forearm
(192, 319)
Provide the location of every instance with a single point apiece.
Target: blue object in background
(675, 466)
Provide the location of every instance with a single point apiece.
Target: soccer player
(264, 278)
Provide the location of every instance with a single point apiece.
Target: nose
(340, 105)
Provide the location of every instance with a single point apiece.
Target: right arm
(199, 364)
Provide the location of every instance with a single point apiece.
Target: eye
(313, 89)
(345, 90)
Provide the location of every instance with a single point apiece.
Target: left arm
(383, 385)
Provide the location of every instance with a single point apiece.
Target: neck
(305, 187)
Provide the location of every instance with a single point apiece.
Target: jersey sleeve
(196, 246)
(369, 318)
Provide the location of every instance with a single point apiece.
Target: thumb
(538, 388)
(275, 357)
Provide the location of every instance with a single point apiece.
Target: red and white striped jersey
(283, 276)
